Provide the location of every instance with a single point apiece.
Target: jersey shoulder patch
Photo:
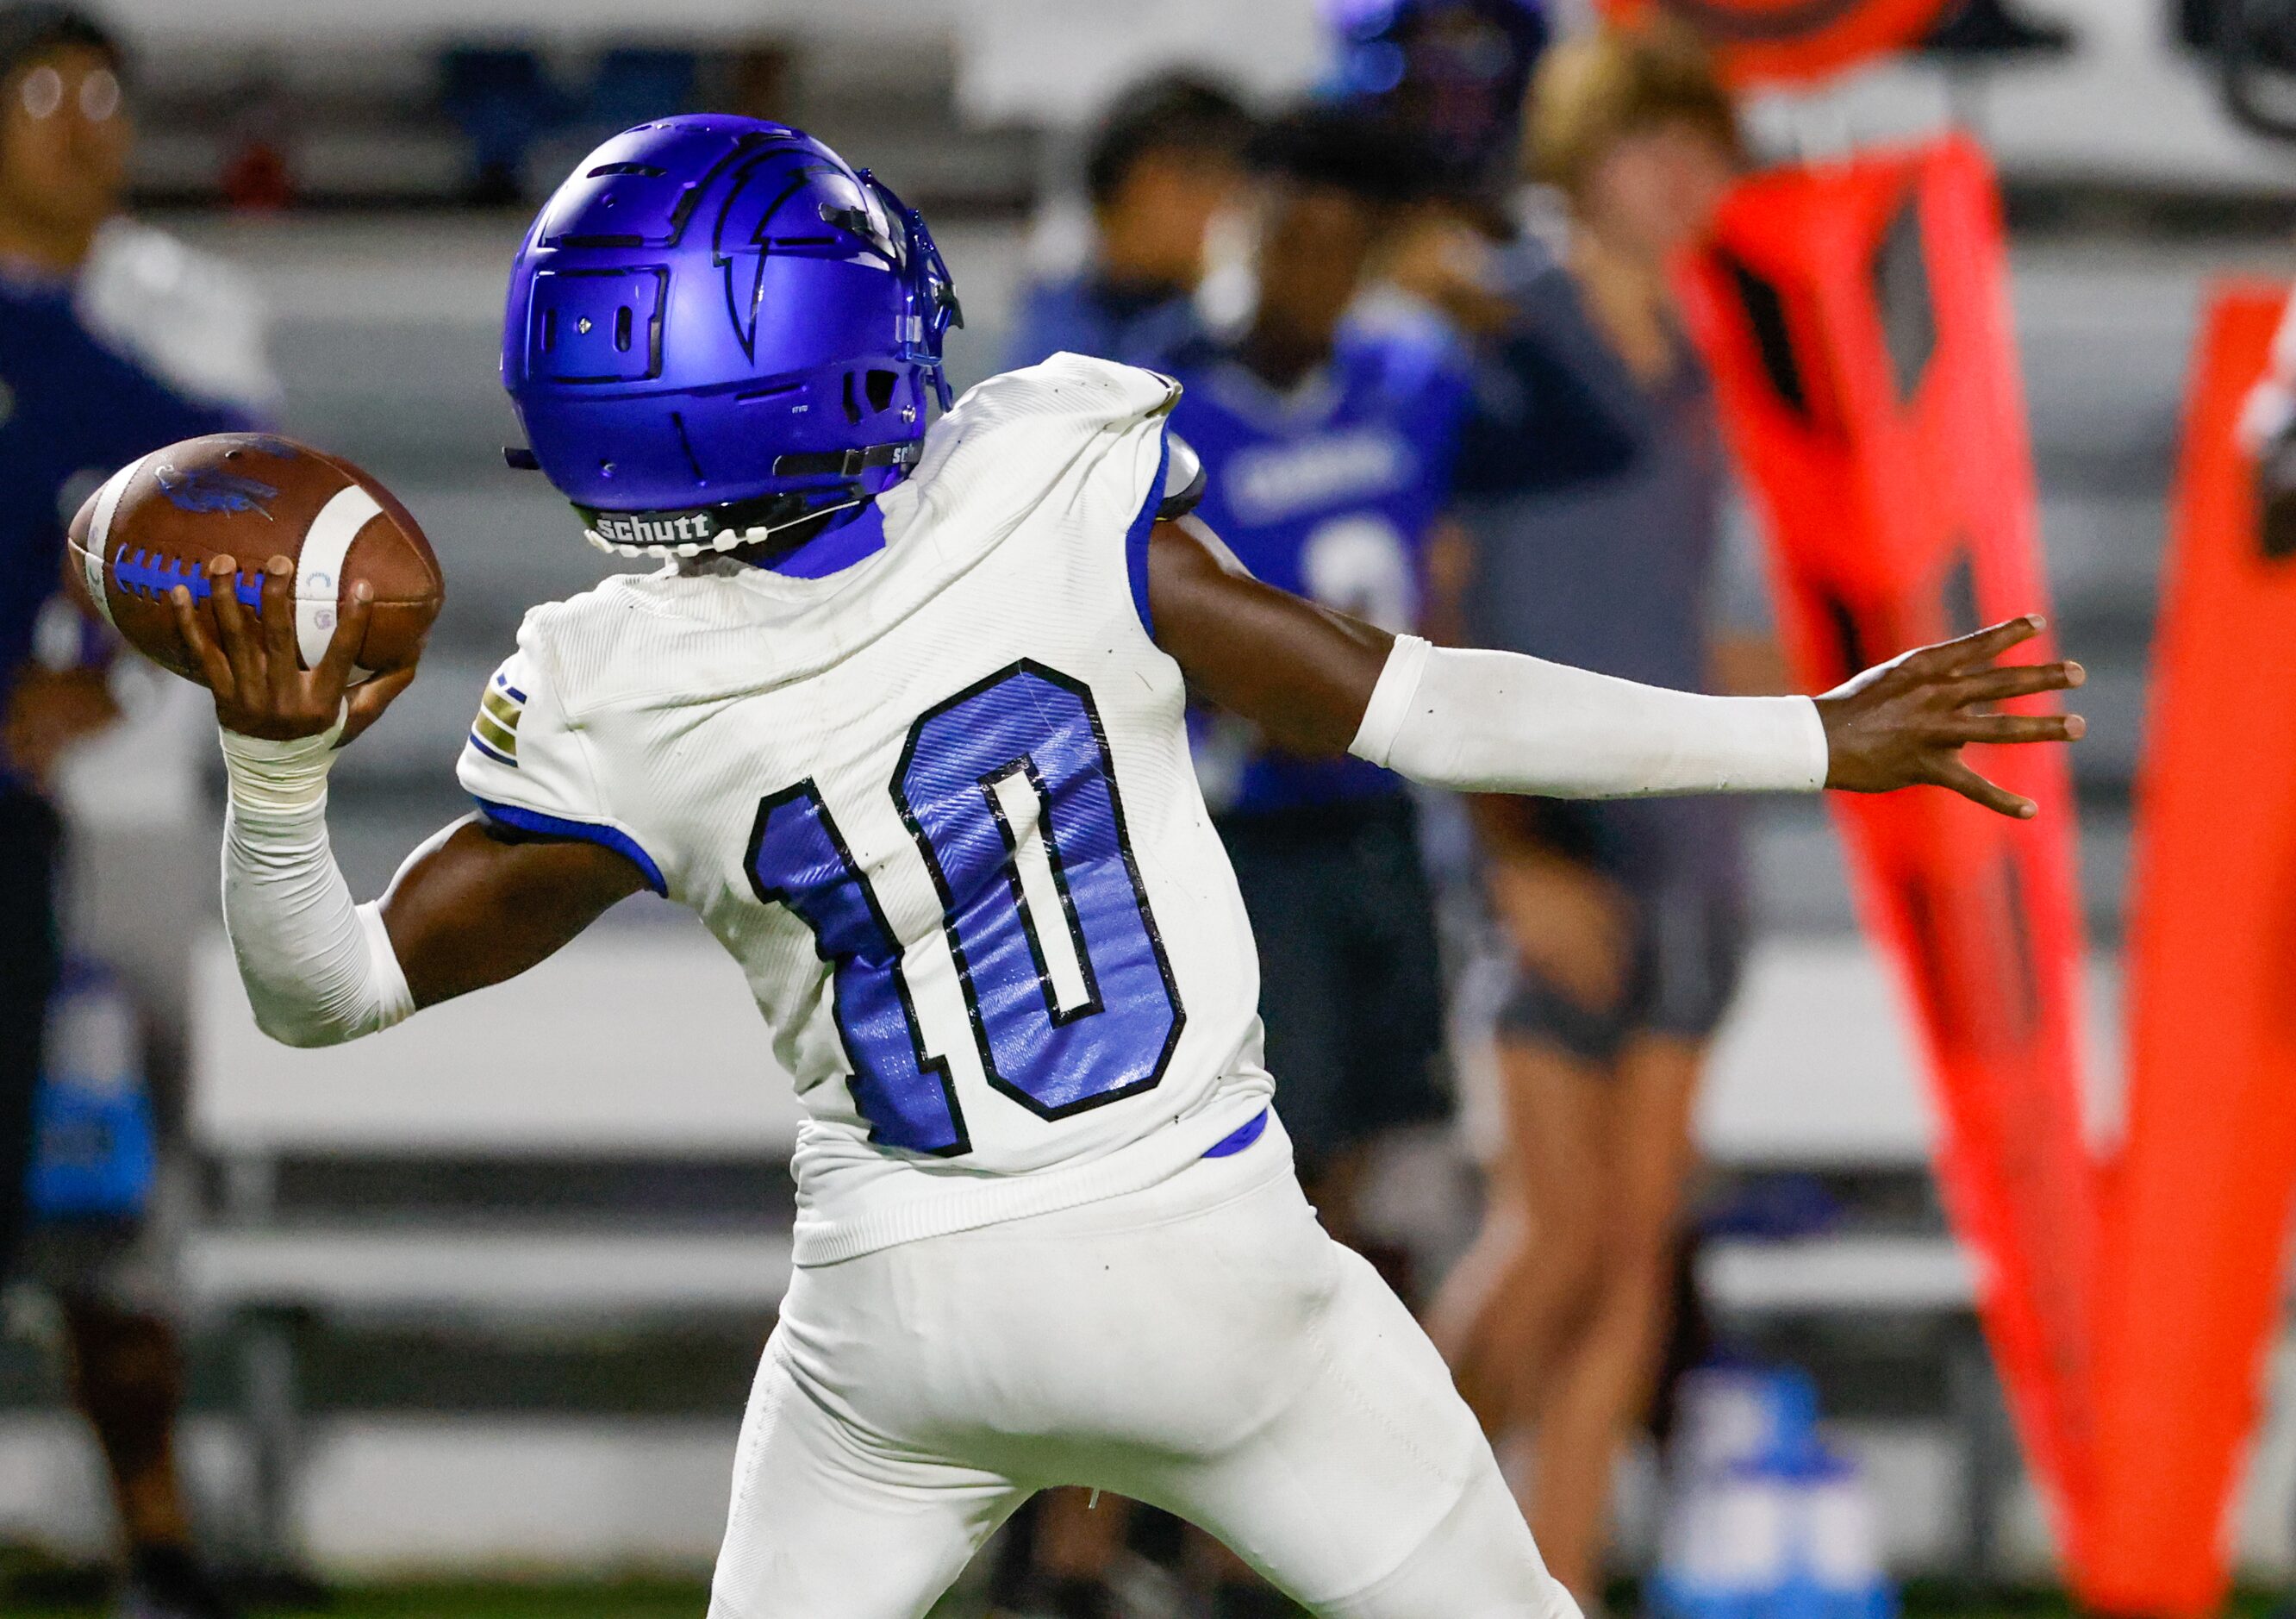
(502, 706)
(527, 763)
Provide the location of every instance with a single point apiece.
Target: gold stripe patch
(499, 736)
(504, 711)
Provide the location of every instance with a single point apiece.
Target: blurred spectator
(114, 339)
(1595, 504)
(634, 84)
(1163, 163)
(2267, 433)
(1981, 29)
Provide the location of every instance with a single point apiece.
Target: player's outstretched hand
(1907, 722)
(251, 664)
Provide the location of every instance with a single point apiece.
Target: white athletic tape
(318, 574)
(99, 534)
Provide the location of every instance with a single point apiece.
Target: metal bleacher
(639, 1042)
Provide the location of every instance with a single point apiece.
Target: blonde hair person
(1593, 501)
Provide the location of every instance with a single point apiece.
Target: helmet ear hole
(852, 405)
(880, 386)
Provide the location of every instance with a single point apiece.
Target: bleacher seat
(636, 1043)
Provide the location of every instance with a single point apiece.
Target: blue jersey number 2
(1010, 792)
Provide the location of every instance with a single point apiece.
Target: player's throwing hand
(1905, 723)
(260, 687)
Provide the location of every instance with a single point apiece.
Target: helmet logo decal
(744, 260)
(740, 248)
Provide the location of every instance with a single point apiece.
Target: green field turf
(672, 1599)
(630, 1599)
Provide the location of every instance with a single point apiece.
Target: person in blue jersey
(1593, 497)
(1326, 442)
(1165, 159)
(113, 340)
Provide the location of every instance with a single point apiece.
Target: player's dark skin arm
(471, 909)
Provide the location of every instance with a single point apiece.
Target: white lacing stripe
(318, 574)
(99, 533)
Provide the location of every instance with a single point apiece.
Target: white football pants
(1201, 1345)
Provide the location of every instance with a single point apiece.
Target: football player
(901, 718)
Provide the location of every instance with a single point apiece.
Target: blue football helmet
(1454, 71)
(717, 329)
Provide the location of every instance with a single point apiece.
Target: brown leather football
(155, 524)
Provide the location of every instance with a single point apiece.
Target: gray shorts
(1677, 864)
(1688, 954)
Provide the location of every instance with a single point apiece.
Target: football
(156, 523)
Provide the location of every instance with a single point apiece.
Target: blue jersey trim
(1237, 1141)
(551, 825)
(479, 743)
(1135, 538)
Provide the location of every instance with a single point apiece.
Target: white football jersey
(940, 808)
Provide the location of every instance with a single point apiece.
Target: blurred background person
(113, 341)
(1160, 166)
(1594, 494)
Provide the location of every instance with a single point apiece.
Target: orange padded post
(2196, 1241)
(1855, 317)
(1791, 41)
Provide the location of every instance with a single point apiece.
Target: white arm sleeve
(1498, 722)
(318, 969)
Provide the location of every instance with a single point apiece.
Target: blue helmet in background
(1456, 71)
(716, 329)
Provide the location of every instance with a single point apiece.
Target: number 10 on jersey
(1010, 792)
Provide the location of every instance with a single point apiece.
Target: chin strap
(696, 531)
(847, 463)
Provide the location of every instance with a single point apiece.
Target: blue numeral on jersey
(798, 858)
(1010, 793)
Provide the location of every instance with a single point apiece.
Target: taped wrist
(318, 969)
(270, 778)
(1497, 722)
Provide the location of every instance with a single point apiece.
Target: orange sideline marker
(1855, 317)
(2196, 1240)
